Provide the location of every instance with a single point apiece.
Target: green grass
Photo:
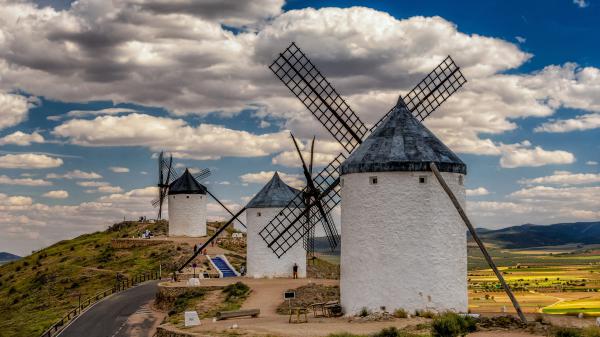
(39, 289)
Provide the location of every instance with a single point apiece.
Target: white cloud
(479, 191)
(119, 169)
(105, 189)
(92, 183)
(13, 108)
(581, 3)
(6, 180)
(75, 174)
(205, 141)
(520, 39)
(263, 177)
(564, 178)
(579, 123)
(523, 155)
(21, 138)
(591, 162)
(29, 161)
(57, 194)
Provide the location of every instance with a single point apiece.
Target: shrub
(425, 313)
(400, 313)
(236, 291)
(389, 332)
(591, 331)
(566, 332)
(364, 312)
(452, 325)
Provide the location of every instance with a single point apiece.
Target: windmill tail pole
(204, 245)
(487, 256)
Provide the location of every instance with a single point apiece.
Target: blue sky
(95, 88)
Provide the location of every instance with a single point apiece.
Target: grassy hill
(37, 290)
(526, 236)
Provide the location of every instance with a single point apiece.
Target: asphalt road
(108, 318)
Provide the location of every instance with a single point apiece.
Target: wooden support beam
(487, 256)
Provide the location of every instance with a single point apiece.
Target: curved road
(118, 315)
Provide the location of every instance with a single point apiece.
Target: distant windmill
(188, 214)
(307, 83)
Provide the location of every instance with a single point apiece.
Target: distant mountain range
(6, 257)
(523, 236)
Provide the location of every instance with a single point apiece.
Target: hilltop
(37, 290)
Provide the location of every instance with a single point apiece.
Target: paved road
(109, 318)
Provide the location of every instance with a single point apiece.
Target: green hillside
(39, 289)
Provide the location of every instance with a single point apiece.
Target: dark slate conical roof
(275, 193)
(186, 184)
(402, 143)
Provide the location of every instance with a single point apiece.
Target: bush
(591, 331)
(400, 313)
(566, 332)
(452, 325)
(425, 313)
(389, 332)
(364, 312)
(236, 291)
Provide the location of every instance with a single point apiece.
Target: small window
(422, 179)
(373, 180)
(461, 180)
(257, 213)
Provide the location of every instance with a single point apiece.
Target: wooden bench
(237, 313)
(319, 309)
(332, 309)
(298, 312)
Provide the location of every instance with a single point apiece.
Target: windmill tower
(187, 199)
(413, 246)
(187, 206)
(260, 260)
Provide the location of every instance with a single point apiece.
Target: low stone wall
(132, 243)
(163, 332)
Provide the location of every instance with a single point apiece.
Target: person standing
(295, 269)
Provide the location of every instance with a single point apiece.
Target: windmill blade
(224, 207)
(289, 226)
(307, 83)
(312, 156)
(304, 168)
(441, 83)
(203, 174)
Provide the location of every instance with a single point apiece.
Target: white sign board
(191, 318)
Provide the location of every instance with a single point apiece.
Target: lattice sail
(296, 71)
(443, 81)
(290, 225)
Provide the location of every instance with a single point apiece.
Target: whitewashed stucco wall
(260, 259)
(187, 215)
(403, 243)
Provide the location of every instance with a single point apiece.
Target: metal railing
(121, 284)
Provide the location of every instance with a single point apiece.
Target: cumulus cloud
(6, 180)
(87, 113)
(22, 138)
(263, 177)
(523, 155)
(29, 161)
(591, 162)
(119, 169)
(579, 123)
(13, 108)
(105, 189)
(479, 191)
(564, 178)
(75, 174)
(57, 194)
(205, 141)
(581, 3)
